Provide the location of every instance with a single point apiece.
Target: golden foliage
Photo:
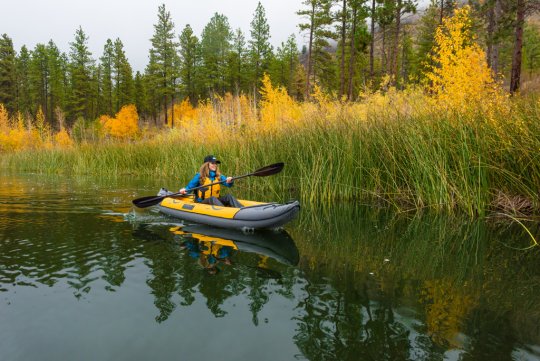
(125, 125)
(460, 78)
(4, 118)
(447, 308)
(63, 140)
(278, 109)
(183, 112)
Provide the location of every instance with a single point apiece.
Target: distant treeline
(345, 53)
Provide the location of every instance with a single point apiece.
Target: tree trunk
(343, 35)
(352, 56)
(372, 45)
(518, 45)
(495, 46)
(310, 47)
(383, 50)
(395, 53)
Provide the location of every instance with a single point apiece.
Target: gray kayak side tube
(265, 216)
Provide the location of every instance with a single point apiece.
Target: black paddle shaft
(149, 201)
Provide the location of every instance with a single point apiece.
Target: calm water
(84, 277)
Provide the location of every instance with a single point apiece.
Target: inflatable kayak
(255, 215)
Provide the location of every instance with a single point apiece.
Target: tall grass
(410, 160)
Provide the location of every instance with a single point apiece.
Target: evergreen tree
(425, 40)
(80, 75)
(107, 96)
(57, 80)
(152, 81)
(140, 97)
(165, 56)
(215, 48)
(238, 63)
(39, 79)
(260, 50)
(123, 76)
(285, 65)
(318, 24)
(8, 81)
(189, 64)
(385, 16)
(24, 100)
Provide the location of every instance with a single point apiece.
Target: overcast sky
(28, 22)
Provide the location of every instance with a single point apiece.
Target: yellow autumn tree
(183, 112)
(460, 76)
(125, 125)
(62, 139)
(277, 107)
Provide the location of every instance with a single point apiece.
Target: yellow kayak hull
(256, 215)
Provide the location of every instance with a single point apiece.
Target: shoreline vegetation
(456, 142)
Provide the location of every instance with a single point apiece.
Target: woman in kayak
(208, 174)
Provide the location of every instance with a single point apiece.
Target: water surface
(84, 276)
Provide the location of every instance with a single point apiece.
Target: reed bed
(409, 160)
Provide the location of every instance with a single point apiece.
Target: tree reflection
(194, 265)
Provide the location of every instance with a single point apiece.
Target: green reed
(441, 161)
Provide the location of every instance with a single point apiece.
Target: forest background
(413, 108)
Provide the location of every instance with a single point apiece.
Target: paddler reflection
(208, 253)
(214, 247)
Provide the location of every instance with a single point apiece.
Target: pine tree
(238, 63)
(140, 97)
(8, 85)
(24, 100)
(39, 79)
(57, 82)
(189, 63)
(165, 56)
(123, 76)
(152, 81)
(285, 65)
(260, 50)
(318, 24)
(215, 48)
(80, 74)
(107, 96)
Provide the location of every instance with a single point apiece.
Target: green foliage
(107, 100)
(318, 25)
(164, 58)
(260, 50)
(24, 101)
(7, 73)
(190, 58)
(531, 49)
(238, 63)
(123, 77)
(215, 48)
(284, 66)
(80, 77)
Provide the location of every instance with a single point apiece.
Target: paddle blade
(149, 201)
(269, 170)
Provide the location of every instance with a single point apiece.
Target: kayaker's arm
(227, 181)
(194, 182)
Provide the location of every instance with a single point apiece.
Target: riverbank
(393, 149)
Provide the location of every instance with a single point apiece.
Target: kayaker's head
(210, 165)
(211, 159)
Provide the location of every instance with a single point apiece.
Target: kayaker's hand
(229, 180)
(183, 191)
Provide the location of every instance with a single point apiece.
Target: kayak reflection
(214, 246)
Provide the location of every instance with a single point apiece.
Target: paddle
(272, 169)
